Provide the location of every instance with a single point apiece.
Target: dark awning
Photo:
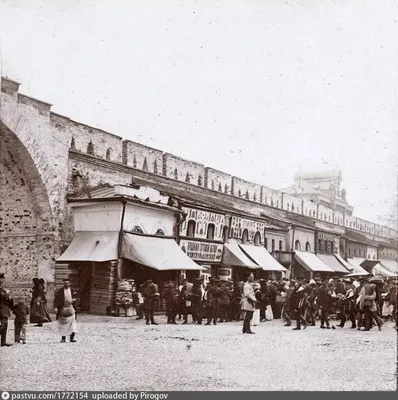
(234, 256)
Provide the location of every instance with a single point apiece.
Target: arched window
(280, 245)
(297, 245)
(355, 252)
(90, 148)
(108, 154)
(374, 257)
(369, 258)
(349, 252)
(273, 245)
(245, 236)
(308, 247)
(191, 228)
(137, 229)
(266, 243)
(210, 231)
(159, 232)
(225, 233)
(257, 239)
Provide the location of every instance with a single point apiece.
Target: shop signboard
(205, 274)
(239, 225)
(202, 251)
(224, 273)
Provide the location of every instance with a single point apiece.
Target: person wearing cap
(287, 310)
(171, 296)
(6, 305)
(213, 301)
(249, 303)
(151, 295)
(325, 303)
(348, 306)
(312, 293)
(65, 311)
(298, 304)
(196, 296)
(368, 305)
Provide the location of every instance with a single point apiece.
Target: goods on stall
(124, 297)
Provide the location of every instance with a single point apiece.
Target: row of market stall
(136, 235)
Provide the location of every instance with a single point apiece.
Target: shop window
(159, 232)
(225, 233)
(191, 228)
(210, 231)
(137, 229)
(257, 239)
(280, 245)
(297, 245)
(273, 245)
(245, 237)
(308, 247)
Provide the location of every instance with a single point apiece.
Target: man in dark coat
(264, 301)
(196, 305)
(325, 303)
(171, 297)
(6, 305)
(213, 300)
(298, 305)
(150, 293)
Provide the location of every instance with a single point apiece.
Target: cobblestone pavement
(124, 354)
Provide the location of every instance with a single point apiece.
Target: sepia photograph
(198, 196)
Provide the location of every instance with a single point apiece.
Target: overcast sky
(255, 88)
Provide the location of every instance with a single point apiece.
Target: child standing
(21, 312)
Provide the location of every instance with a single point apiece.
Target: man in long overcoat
(6, 305)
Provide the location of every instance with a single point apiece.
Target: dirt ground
(125, 354)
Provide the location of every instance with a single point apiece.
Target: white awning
(390, 265)
(344, 262)
(355, 263)
(332, 262)
(262, 257)
(379, 269)
(91, 246)
(234, 256)
(311, 262)
(159, 253)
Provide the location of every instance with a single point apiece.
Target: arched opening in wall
(108, 154)
(137, 229)
(160, 232)
(245, 236)
(266, 243)
(191, 228)
(90, 148)
(26, 218)
(374, 257)
(225, 233)
(257, 239)
(273, 245)
(280, 245)
(297, 245)
(210, 231)
(308, 247)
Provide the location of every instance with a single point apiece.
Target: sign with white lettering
(224, 273)
(202, 251)
(202, 221)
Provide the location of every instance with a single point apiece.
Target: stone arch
(27, 240)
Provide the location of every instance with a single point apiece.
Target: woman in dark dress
(38, 304)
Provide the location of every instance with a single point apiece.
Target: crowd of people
(364, 301)
(37, 313)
